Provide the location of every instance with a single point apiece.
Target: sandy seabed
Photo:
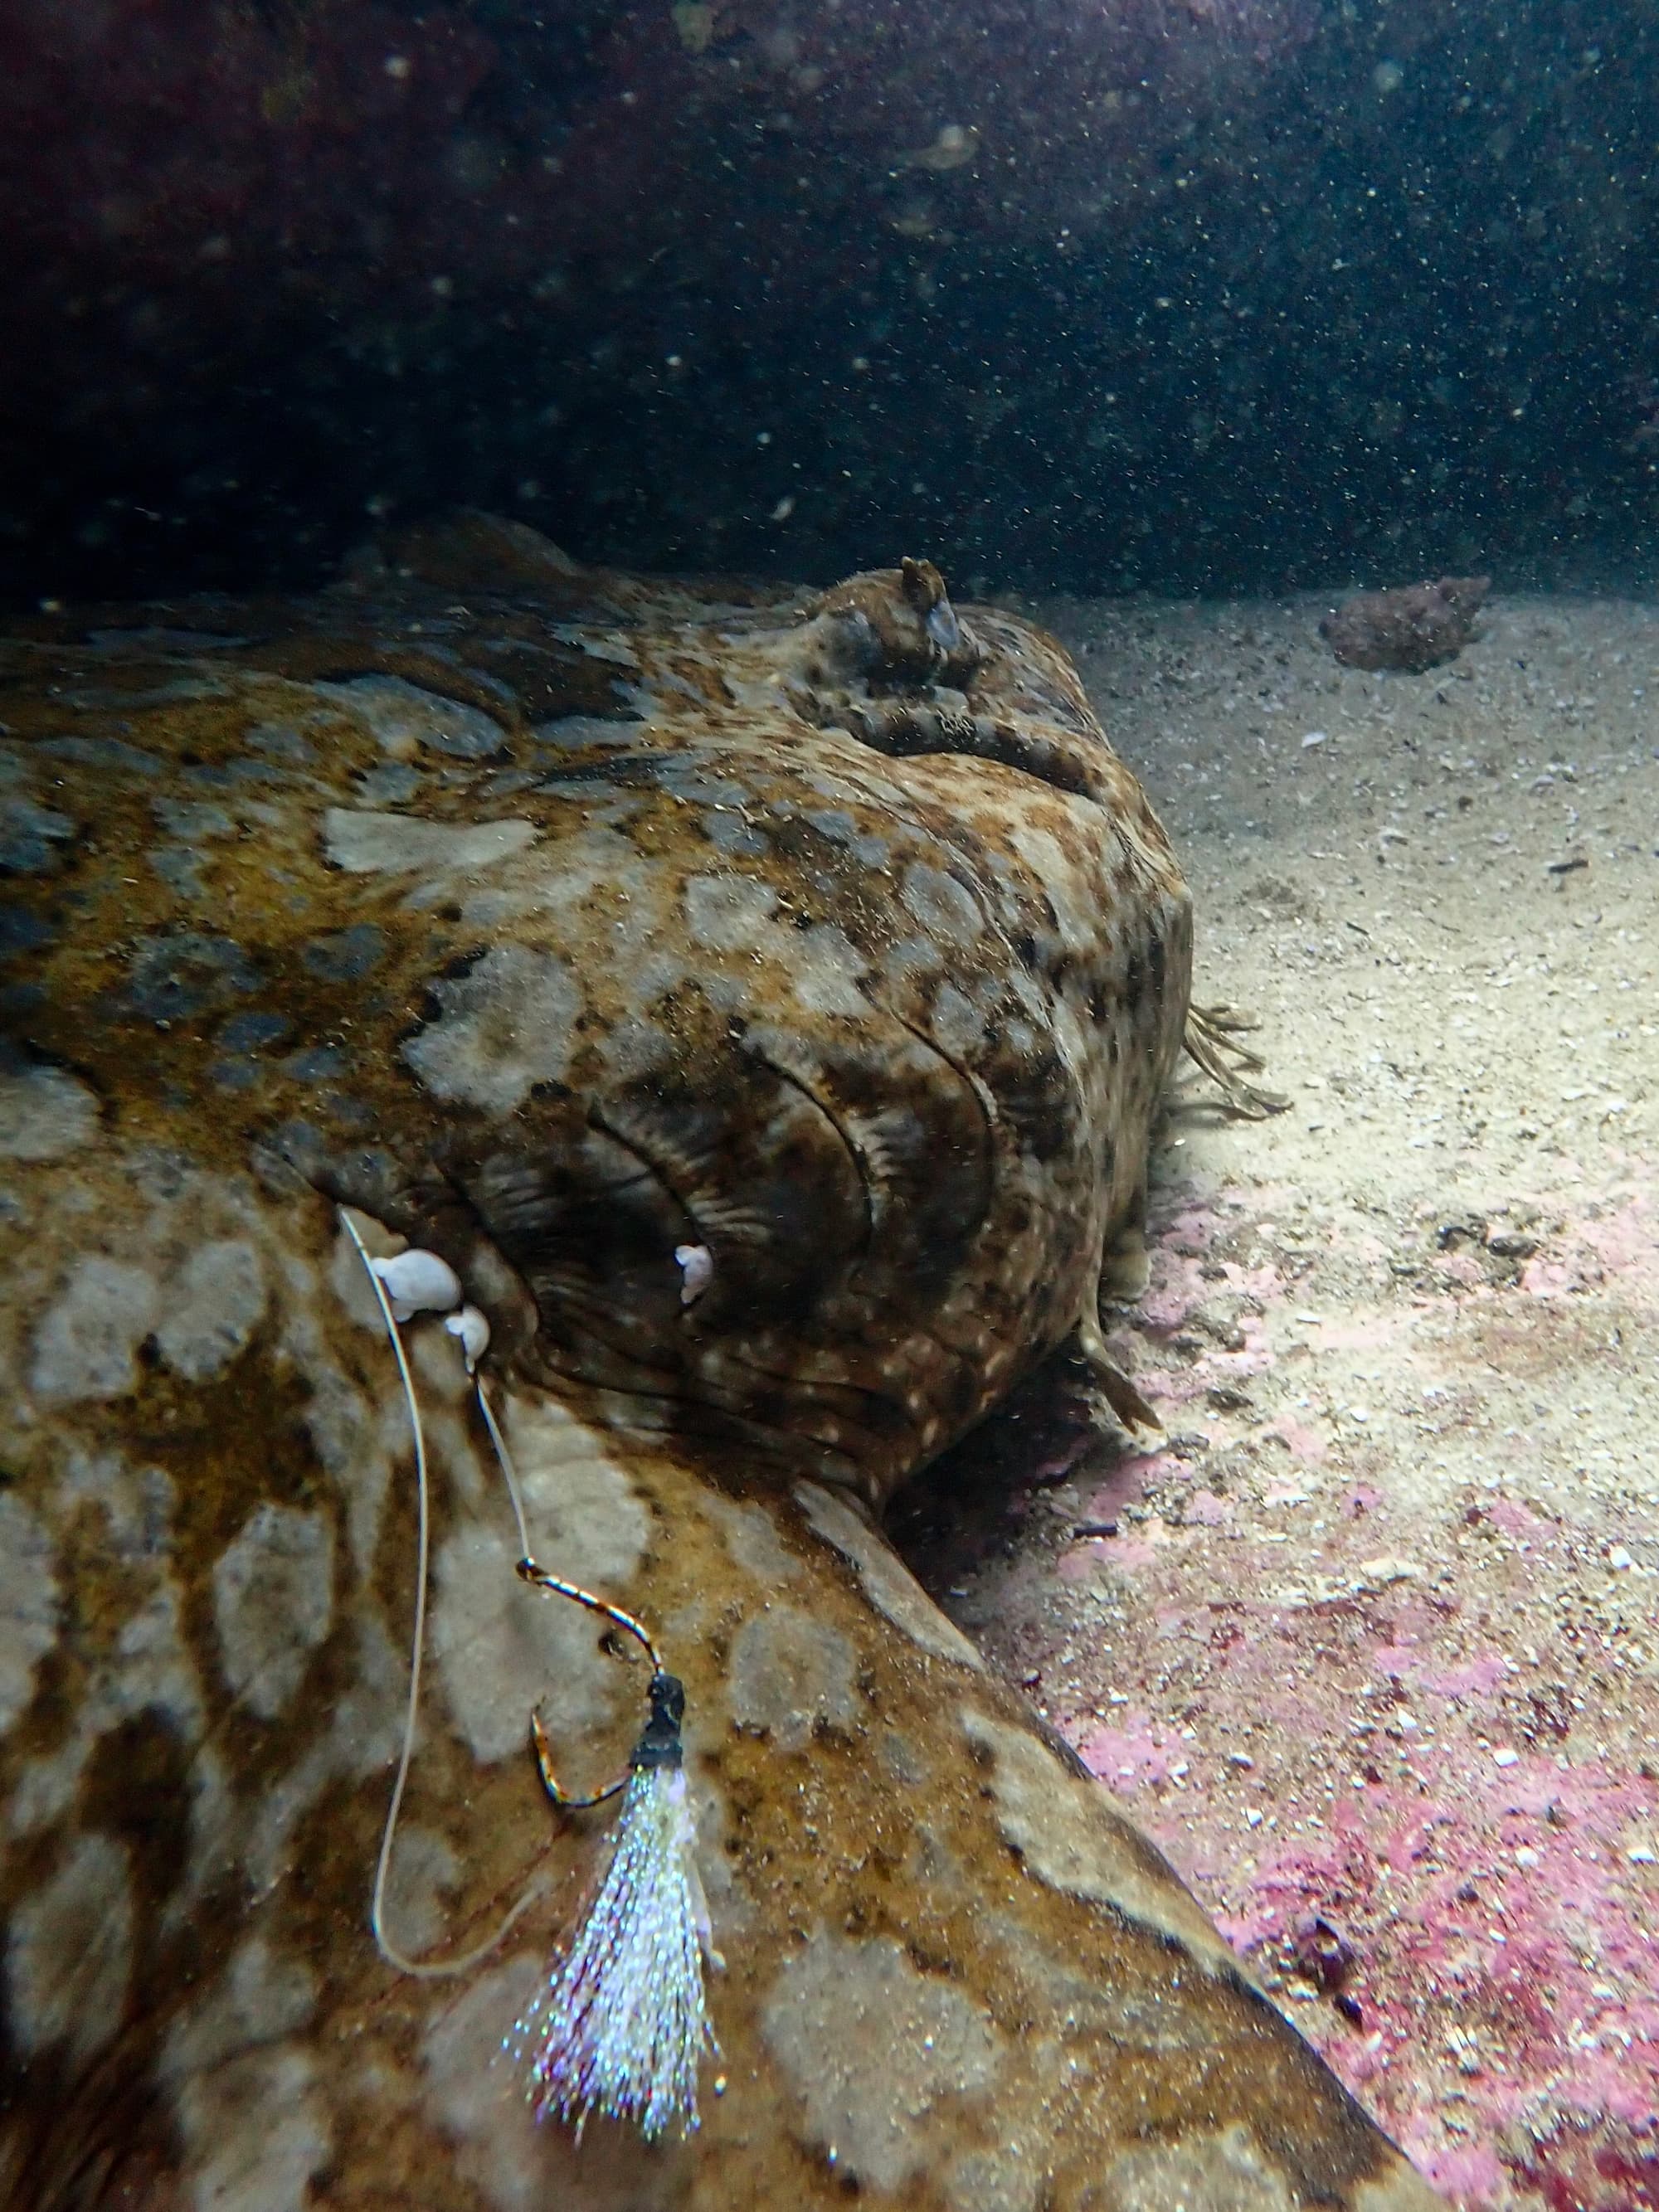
(1370, 1642)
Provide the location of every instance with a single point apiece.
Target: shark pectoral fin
(1212, 1040)
(1119, 1392)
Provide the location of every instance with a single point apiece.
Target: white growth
(418, 1282)
(696, 1266)
(472, 1331)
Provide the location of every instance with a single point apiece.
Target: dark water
(1232, 294)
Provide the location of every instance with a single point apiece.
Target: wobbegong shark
(759, 1002)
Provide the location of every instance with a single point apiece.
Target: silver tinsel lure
(623, 2025)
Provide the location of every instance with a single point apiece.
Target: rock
(1416, 628)
(823, 936)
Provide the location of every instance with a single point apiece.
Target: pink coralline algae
(1585, 2164)
(1514, 1955)
(1366, 1644)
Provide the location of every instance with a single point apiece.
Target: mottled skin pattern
(554, 919)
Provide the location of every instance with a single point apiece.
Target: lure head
(659, 1745)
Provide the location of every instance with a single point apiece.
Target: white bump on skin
(871, 2047)
(502, 1648)
(887, 1584)
(696, 1266)
(273, 1600)
(401, 844)
(417, 1281)
(438, 1361)
(213, 1308)
(28, 1604)
(84, 1346)
(505, 1028)
(45, 1114)
(70, 1954)
(472, 1331)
